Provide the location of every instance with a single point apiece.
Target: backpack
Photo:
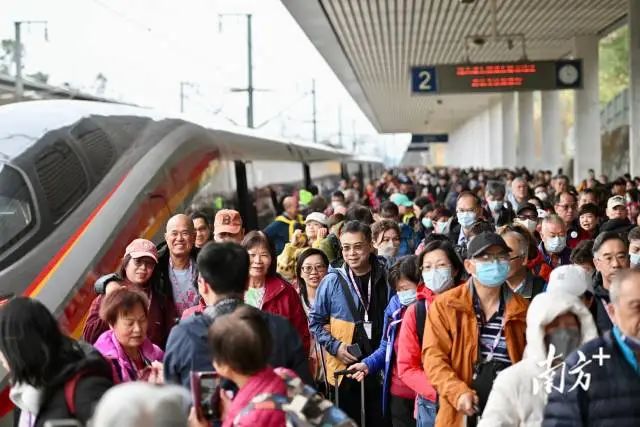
(421, 317)
(303, 406)
(72, 384)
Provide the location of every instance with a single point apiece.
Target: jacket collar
(273, 286)
(514, 307)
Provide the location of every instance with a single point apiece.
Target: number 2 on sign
(425, 80)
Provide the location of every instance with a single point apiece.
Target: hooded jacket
(110, 348)
(450, 346)
(331, 309)
(188, 347)
(281, 229)
(513, 401)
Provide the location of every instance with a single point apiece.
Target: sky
(146, 48)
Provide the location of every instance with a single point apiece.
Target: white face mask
(26, 397)
(388, 250)
(336, 205)
(528, 223)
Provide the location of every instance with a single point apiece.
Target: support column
(496, 141)
(508, 130)
(552, 156)
(588, 147)
(634, 87)
(526, 149)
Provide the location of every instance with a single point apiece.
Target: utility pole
(340, 125)
(183, 94)
(249, 89)
(315, 111)
(17, 54)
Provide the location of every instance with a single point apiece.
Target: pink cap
(140, 248)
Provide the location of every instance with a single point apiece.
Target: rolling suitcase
(344, 372)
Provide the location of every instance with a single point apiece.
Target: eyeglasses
(308, 269)
(567, 207)
(532, 217)
(356, 248)
(184, 234)
(492, 258)
(619, 258)
(139, 262)
(465, 210)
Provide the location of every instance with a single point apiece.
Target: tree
(7, 55)
(614, 64)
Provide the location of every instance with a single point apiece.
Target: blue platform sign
(417, 138)
(424, 80)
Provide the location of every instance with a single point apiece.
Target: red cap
(227, 221)
(140, 248)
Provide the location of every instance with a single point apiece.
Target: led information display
(497, 77)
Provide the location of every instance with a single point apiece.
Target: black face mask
(565, 340)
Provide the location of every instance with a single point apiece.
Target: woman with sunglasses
(136, 270)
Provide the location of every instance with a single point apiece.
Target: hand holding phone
(205, 391)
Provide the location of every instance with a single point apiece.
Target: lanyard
(496, 341)
(366, 306)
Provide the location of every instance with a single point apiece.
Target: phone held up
(205, 392)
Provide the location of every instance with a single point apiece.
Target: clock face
(568, 74)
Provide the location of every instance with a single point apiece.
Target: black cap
(527, 207)
(617, 225)
(484, 241)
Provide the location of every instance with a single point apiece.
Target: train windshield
(16, 207)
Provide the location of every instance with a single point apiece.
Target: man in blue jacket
(601, 382)
(224, 268)
(348, 318)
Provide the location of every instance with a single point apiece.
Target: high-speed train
(79, 180)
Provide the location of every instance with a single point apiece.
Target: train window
(16, 207)
(96, 145)
(62, 178)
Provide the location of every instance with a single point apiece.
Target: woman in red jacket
(270, 292)
(441, 270)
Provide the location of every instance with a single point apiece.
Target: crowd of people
(431, 297)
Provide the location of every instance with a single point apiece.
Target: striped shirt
(489, 330)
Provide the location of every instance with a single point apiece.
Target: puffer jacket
(450, 347)
(330, 309)
(600, 301)
(513, 401)
(613, 395)
(111, 349)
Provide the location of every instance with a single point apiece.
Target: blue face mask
(438, 279)
(492, 274)
(427, 223)
(465, 219)
(494, 205)
(555, 244)
(634, 259)
(407, 297)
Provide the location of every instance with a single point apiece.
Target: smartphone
(205, 392)
(354, 350)
(63, 423)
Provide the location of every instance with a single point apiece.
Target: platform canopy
(372, 44)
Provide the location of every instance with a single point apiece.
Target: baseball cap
(317, 217)
(571, 279)
(615, 201)
(483, 241)
(227, 221)
(140, 248)
(400, 199)
(527, 207)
